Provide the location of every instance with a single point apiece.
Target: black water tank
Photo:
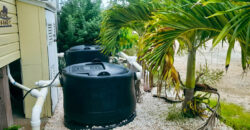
(97, 93)
(83, 53)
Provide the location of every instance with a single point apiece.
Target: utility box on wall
(52, 53)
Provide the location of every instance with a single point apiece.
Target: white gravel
(151, 115)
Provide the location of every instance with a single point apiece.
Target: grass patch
(175, 114)
(14, 127)
(234, 115)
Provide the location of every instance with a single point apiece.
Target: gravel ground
(151, 114)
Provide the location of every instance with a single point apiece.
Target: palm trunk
(190, 79)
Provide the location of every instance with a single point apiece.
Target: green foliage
(195, 107)
(79, 23)
(121, 17)
(126, 39)
(132, 51)
(238, 27)
(209, 76)
(234, 115)
(14, 127)
(175, 114)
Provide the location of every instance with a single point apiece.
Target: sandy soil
(152, 112)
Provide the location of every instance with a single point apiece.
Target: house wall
(34, 53)
(9, 39)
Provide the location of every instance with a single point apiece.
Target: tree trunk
(190, 79)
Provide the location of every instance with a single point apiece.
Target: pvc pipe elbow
(14, 82)
(56, 83)
(61, 55)
(35, 93)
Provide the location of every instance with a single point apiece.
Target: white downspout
(37, 109)
(40, 95)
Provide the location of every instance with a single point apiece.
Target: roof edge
(40, 4)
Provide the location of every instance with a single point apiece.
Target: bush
(79, 23)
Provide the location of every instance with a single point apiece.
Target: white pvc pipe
(14, 82)
(56, 83)
(37, 109)
(132, 61)
(41, 97)
(138, 75)
(34, 92)
(60, 55)
(137, 66)
(122, 54)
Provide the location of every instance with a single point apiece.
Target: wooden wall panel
(11, 7)
(8, 30)
(5, 50)
(13, 2)
(13, 18)
(9, 39)
(9, 58)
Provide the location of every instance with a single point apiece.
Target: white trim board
(40, 4)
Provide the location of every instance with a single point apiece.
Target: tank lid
(85, 48)
(95, 69)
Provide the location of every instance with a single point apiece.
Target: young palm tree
(191, 24)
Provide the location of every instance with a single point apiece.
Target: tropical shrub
(79, 23)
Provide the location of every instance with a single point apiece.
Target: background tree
(79, 23)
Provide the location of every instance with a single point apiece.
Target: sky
(104, 3)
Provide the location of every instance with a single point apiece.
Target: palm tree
(121, 20)
(190, 24)
(160, 25)
(121, 17)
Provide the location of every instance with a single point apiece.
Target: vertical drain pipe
(37, 109)
(40, 95)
